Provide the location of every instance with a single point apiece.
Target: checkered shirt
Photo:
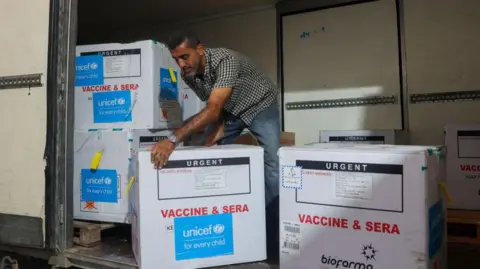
(252, 90)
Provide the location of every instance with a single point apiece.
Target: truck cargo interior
(108, 21)
(378, 165)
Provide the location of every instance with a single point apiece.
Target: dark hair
(182, 36)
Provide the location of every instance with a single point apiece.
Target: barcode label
(291, 237)
(291, 229)
(291, 245)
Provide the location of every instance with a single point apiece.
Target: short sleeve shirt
(252, 90)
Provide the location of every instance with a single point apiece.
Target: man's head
(188, 51)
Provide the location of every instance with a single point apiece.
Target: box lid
(364, 148)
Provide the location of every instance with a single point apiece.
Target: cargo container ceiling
(105, 20)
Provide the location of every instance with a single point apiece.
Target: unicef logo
(218, 228)
(121, 101)
(108, 181)
(93, 66)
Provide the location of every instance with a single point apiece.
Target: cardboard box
(94, 197)
(101, 195)
(145, 139)
(191, 104)
(463, 165)
(126, 86)
(197, 139)
(393, 137)
(205, 208)
(247, 138)
(362, 207)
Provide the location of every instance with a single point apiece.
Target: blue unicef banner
(168, 89)
(203, 236)
(99, 185)
(89, 70)
(111, 107)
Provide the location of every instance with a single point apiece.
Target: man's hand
(216, 135)
(161, 152)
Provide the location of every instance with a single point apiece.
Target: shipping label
(357, 139)
(468, 143)
(122, 63)
(181, 179)
(370, 186)
(146, 142)
(291, 177)
(291, 237)
(468, 153)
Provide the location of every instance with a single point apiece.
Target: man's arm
(227, 75)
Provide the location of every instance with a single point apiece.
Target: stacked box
(102, 194)
(126, 86)
(362, 206)
(191, 104)
(205, 208)
(463, 165)
(393, 137)
(120, 90)
(247, 138)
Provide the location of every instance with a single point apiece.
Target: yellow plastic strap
(172, 75)
(130, 183)
(446, 192)
(96, 160)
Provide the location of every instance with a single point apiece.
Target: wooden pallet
(88, 234)
(463, 226)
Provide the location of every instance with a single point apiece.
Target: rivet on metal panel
(21, 81)
(441, 97)
(344, 102)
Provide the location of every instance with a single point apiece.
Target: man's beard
(193, 70)
(189, 74)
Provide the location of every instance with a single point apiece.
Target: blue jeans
(266, 128)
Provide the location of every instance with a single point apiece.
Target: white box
(393, 137)
(106, 199)
(463, 165)
(174, 203)
(191, 104)
(145, 139)
(117, 146)
(361, 207)
(126, 86)
(197, 139)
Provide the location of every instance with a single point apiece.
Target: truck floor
(119, 251)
